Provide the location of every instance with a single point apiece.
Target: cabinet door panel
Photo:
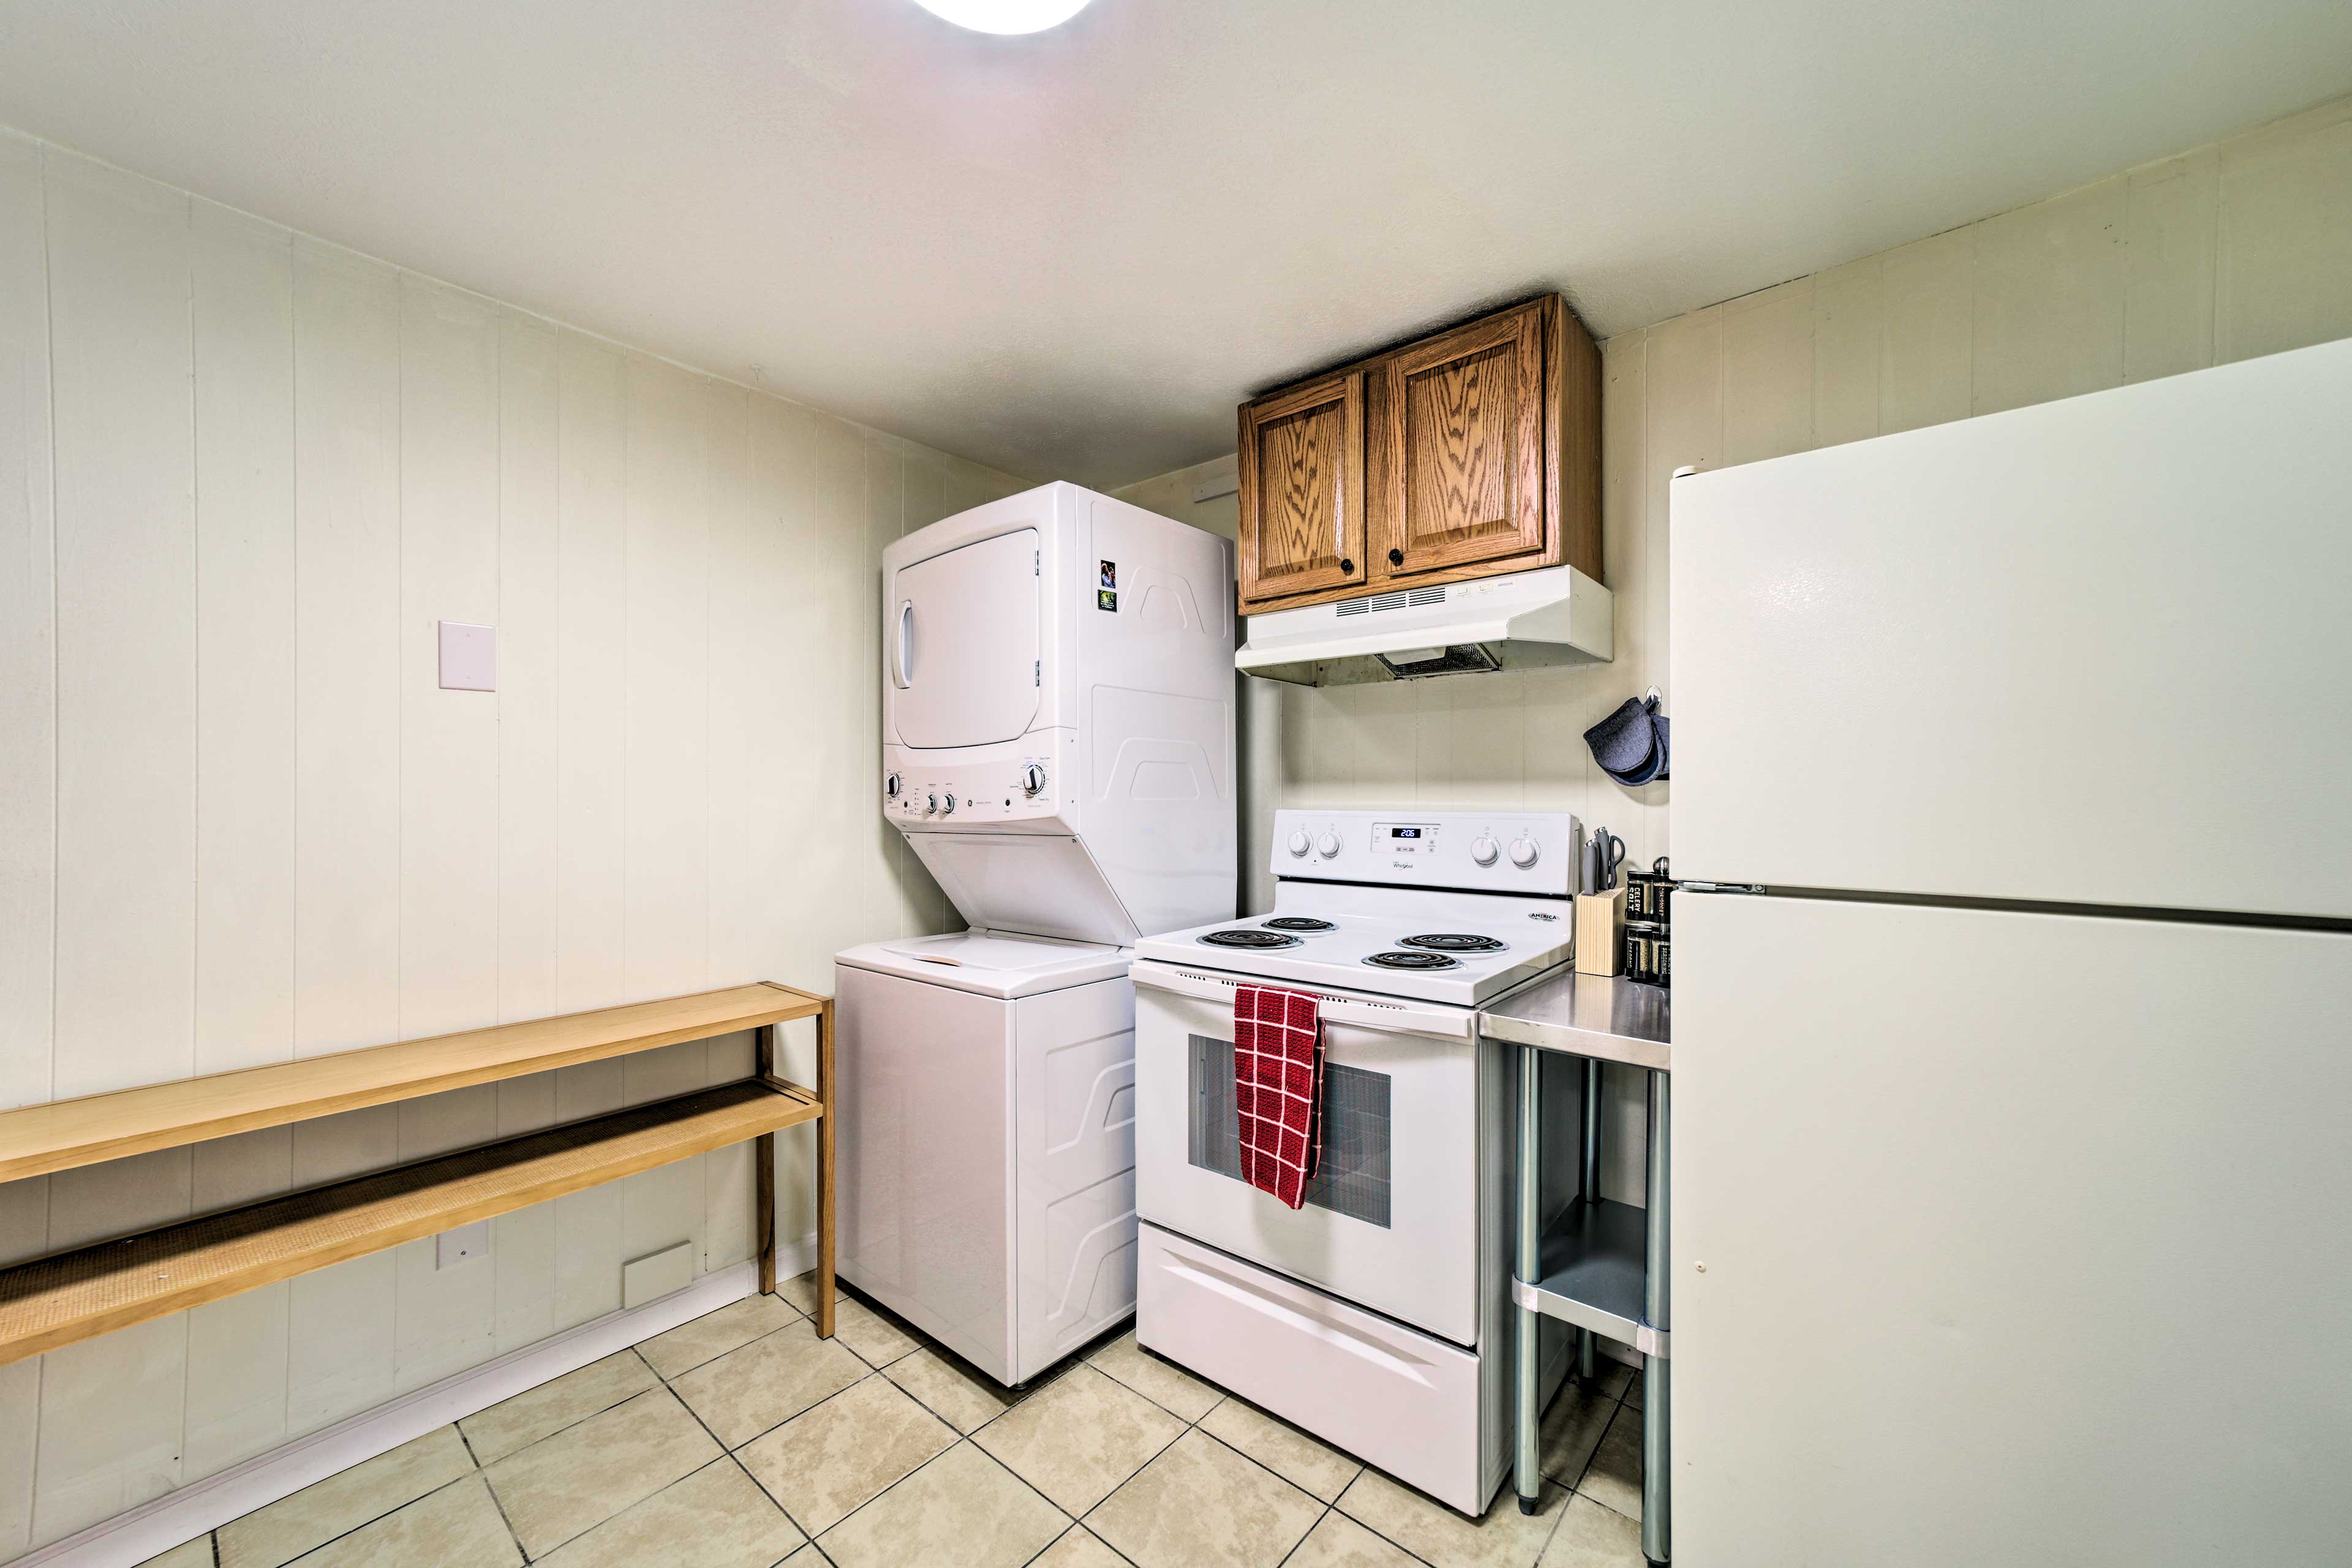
(1302, 491)
(1464, 459)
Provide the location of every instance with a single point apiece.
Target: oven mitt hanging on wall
(1630, 744)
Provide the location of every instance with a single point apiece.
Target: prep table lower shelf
(1593, 1271)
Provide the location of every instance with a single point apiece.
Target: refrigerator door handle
(1750, 888)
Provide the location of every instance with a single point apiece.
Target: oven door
(1390, 1220)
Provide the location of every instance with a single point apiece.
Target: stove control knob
(1033, 780)
(891, 786)
(1484, 849)
(1298, 843)
(1523, 852)
(1328, 846)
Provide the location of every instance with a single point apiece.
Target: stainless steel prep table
(1601, 1265)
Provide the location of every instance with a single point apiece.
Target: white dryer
(1057, 723)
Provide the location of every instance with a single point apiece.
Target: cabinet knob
(1347, 566)
(1396, 557)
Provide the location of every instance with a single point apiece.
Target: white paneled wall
(242, 474)
(2226, 252)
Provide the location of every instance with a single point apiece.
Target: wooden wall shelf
(36, 1139)
(73, 1296)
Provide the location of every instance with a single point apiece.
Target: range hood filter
(1419, 663)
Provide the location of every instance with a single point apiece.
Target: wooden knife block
(1600, 931)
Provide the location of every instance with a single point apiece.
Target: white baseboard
(133, 1536)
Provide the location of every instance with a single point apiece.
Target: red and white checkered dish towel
(1277, 1084)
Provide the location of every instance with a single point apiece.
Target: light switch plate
(658, 1274)
(469, 657)
(453, 1246)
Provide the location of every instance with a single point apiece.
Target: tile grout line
(1328, 1507)
(309, 1551)
(552, 1432)
(1302, 1541)
(807, 1535)
(492, 1492)
(729, 1457)
(504, 1518)
(725, 1454)
(1616, 1406)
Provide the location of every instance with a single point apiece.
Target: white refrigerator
(2012, 1157)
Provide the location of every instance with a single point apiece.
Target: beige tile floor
(740, 1440)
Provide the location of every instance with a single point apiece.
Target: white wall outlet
(469, 657)
(452, 1248)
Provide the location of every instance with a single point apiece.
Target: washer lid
(992, 962)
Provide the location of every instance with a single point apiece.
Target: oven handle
(1357, 1012)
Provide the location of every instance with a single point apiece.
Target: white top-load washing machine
(1058, 728)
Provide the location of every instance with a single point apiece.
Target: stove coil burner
(1298, 922)
(1250, 938)
(1414, 961)
(1454, 941)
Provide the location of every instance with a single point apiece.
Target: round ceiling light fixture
(1004, 15)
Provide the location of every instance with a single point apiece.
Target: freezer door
(2005, 1238)
(961, 644)
(2089, 652)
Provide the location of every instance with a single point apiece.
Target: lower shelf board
(1594, 1271)
(62, 1299)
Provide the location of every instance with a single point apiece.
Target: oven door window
(1351, 1177)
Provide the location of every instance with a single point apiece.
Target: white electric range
(1376, 1314)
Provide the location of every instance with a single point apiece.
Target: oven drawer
(1401, 1401)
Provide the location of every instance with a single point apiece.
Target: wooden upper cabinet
(1478, 451)
(1302, 491)
(1460, 459)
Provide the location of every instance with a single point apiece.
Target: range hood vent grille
(1395, 599)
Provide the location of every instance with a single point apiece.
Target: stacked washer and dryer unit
(1057, 720)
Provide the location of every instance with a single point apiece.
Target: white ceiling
(1069, 254)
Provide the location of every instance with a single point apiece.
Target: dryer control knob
(950, 809)
(1523, 852)
(890, 786)
(1484, 849)
(932, 805)
(1298, 842)
(1328, 846)
(1033, 780)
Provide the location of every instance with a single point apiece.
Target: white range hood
(1524, 620)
